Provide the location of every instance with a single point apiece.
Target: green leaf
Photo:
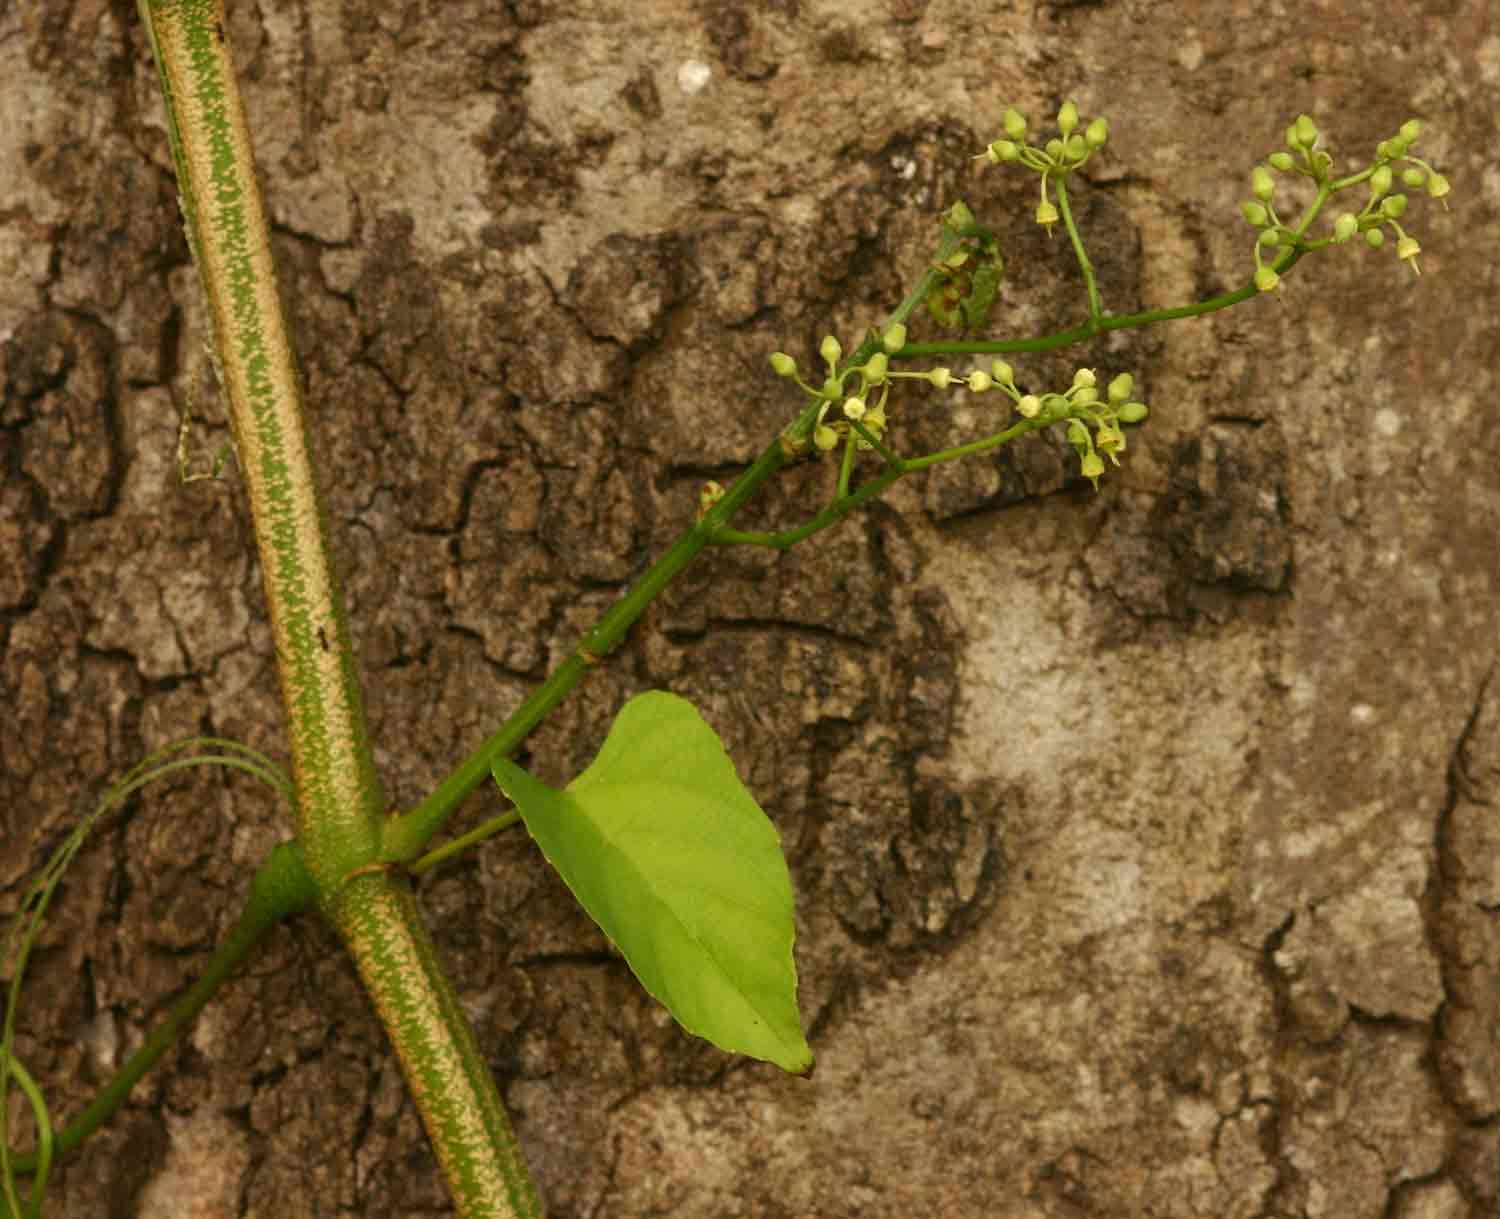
(671, 856)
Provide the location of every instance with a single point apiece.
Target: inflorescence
(1381, 210)
(854, 399)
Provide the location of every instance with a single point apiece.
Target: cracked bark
(1053, 769)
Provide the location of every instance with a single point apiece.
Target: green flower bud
(1078, 435)
(1003, 150)
(1407, 250)
(875, 369)
(1255, 213)
(825, 437)
(1076, 147)
(1410, 130)
(783, 365)
(1282, 161)
(1306, 130)
(1380, 181)
(1262, 185)
(1437, 186)
(1412, 177)
(1291, 136)
(831, 351)
(959, 217)
(1067, 119)
(1266, 279)
(1085, 376)
(1084, 395)
(1093, 466)
(1393, 207)
(1269, 237)
(894, 339)
(1046, 213)
(709, 495)
(1030, 406)
(1096, 133)
(1374, 238)
(1120, 387)
(1003, 373)
(940, 378)
(1055, 149)
(1345, 227)
(1111, 442)
(978, 381)
(1133, 412)
(1014, 123)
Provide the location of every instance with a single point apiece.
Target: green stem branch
(406, 835)
(463, 842)
(1090, 280)
(281, 888)
(1094, 327)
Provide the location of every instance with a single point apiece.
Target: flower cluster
(1382, 209)
(1055, 159)
(856, 416)
(1082, 407)
(1095, 423)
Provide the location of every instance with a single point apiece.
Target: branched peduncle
(1090, 281)
(847, 407)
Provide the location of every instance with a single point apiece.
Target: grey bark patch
(1217, 542)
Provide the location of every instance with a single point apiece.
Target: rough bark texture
(1145, 842)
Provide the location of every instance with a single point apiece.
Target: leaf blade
(669, 853)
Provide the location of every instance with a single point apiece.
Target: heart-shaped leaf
(663, 846)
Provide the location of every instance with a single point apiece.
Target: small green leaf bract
(671, 856)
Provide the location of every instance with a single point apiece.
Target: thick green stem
(447, 1074)
(407, 835)
(339, 799)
